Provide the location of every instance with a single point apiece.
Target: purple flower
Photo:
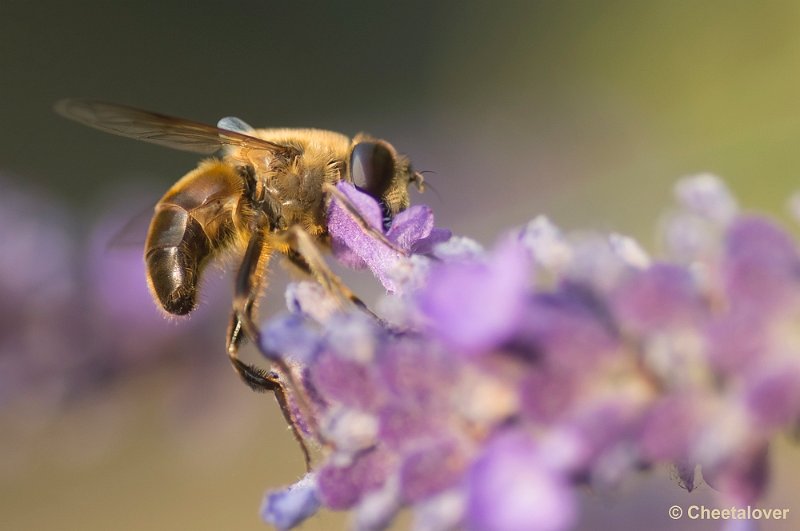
(287, 508)
(475, 305)
(736, 339)
(511, 487)
(289, 335)
(772, 395)
(345, 381)
(670, 428)
(40, 325)
(761, 265)
(657, 298)
(411, 231)
(568, 329)
(342, 486)
(416, 481)
(403, 426)
(506, 380)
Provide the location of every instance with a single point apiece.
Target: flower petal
(342, 487)
(473, 305)
(287, 508)
(509, 489)
(347, 237)
(411, 225)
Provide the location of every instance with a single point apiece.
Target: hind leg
(249, 286)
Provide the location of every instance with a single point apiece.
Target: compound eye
(372, 167)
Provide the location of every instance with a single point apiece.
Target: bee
(268, 191)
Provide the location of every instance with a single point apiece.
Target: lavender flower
(287, 509)
(512, 485)
(38, 285)
(509, 378)
(411, 231)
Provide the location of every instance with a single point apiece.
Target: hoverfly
(269, 190)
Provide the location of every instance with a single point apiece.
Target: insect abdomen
(175, 247)
(191, 222)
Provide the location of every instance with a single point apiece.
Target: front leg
(304, 253)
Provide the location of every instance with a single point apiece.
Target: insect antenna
(429, 185)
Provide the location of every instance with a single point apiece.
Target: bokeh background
(112, 417)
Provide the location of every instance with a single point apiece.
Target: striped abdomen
(191, 221)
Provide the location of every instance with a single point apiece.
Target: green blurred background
(584, 111)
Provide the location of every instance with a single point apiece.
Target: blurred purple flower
(761, 265)
(511, 487)
(76, 318)
(285, 509)
(658, 298)
(343, 486)
(483, 316)
(40, 322)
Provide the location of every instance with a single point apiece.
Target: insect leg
(304, 253)
(249, 284)
(247, 289)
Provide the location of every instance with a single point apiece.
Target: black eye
(372, 167)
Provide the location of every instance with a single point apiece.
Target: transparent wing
(159, 129)
(133, 232)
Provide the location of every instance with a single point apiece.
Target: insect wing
(160, 129)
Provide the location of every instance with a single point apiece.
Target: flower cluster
(497, 382)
